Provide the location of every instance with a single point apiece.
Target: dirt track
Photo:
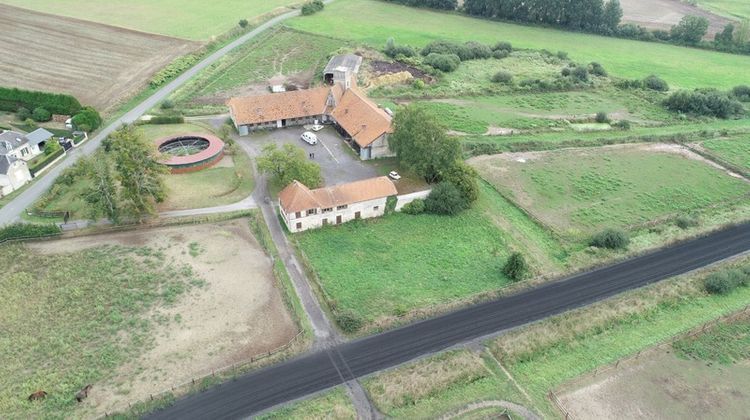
(98, 64)
(663, 14)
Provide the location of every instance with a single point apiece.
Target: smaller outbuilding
(303, 208)
(14, 173)
(349, 62)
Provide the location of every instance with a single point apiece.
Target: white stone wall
(380, 148)
(18, 175)
(367, 210)
(405, 199)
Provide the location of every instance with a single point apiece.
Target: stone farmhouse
(16, 150)
(14, 173)
(303, 208)
(363, 124)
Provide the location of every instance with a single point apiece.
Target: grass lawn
(331, 405)
(72, 319)
(581, 191)
(547, 367)
(438, 385)
(735, 150)
(735, 9)
(189, 19)
(373, 22)
(275, 52)
(373, 271)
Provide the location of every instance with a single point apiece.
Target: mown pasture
(733, 150)
(373, 22)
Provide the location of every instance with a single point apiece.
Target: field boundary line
(512, 379)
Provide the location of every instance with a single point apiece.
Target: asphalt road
(12, 211)
(314, 372)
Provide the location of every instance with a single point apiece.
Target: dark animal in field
(83, 393)
(39, 395)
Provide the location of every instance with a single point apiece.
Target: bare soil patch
(663, 14)
(662, 386)
(380, 68)
(98, 64)
(237, 315)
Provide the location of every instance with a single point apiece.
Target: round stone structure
(190, 152)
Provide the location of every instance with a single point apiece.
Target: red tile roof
(297, 197)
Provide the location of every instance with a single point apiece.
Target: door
(338, 220)
(358, 215)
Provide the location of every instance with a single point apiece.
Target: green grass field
(373, 22)
(331, 405)
(72, 319)
(189, 19)
(736, 9)
(275, 52)
(442, 259)
(581, 191)
(735, 151)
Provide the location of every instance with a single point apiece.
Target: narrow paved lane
(318, 371)
(11, 212)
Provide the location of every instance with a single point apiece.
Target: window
(299, 225)
(312, 211)
(325, 222)
(376, 208)
(342, 207)
(326, 210)
(297, 215)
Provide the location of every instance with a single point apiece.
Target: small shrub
(23, 114)
(724, 282)
(503, 77)
(393, 50)
(610, 239)
(562, 55)
(516, 267)
(503, 46)
(656, 83)
(167, 104)
(597, 69)
(418, 84)
(622, 125)
(580, 73)
(312, 7)
(685, 222)
(41, 115)
(565, 72)
(348, 322)
(243, 23)
(443, 62)
(601, 117)
(415, 207)
(500, 54)
(445, 199)
(741, 93)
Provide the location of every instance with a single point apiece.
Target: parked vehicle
(309, 138)
(394, 175)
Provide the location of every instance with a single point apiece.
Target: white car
(394, 175)
(309, 138)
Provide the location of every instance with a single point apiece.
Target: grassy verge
(544, 355)
(331, 405)
(736, 150)
(64, 326)
(725, 343)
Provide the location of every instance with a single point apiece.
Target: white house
(303, 208)
(14, 173)
(23, 146)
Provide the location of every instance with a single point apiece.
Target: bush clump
(503, 77)
(23, 114)
(601, 117)
(41, 115)
(88, 119)
(312, 7)
(503, 46)
(243, 23)
(685, 222)
(656, 83)
(516, 267)
(393, 50)
(741, 93)
(726, 281)
(597, 69)
(414, 207)
(167, 119)
(610, 239)
(711, 103)
(443, 62)
(445, 199)
(348, 322)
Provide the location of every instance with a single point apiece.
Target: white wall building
(303, 208)
(14, 173)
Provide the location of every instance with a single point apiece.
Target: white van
(309, 138)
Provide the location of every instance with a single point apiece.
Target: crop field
(706, 375)
(373, 22)
(97, 64)
(663, 14)
(427, 267)
(735, 9)
(279, 54)
(133, 313)
(196, 20)
(735, 151)
(584, 190)
(548, 355)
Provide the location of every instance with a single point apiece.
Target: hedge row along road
(305, 375)
(11, 212)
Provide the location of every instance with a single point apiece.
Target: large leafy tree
(612, 16)
(690, 30)
(289, 163)
(103, 195)
(422, 145)
(139, 173)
